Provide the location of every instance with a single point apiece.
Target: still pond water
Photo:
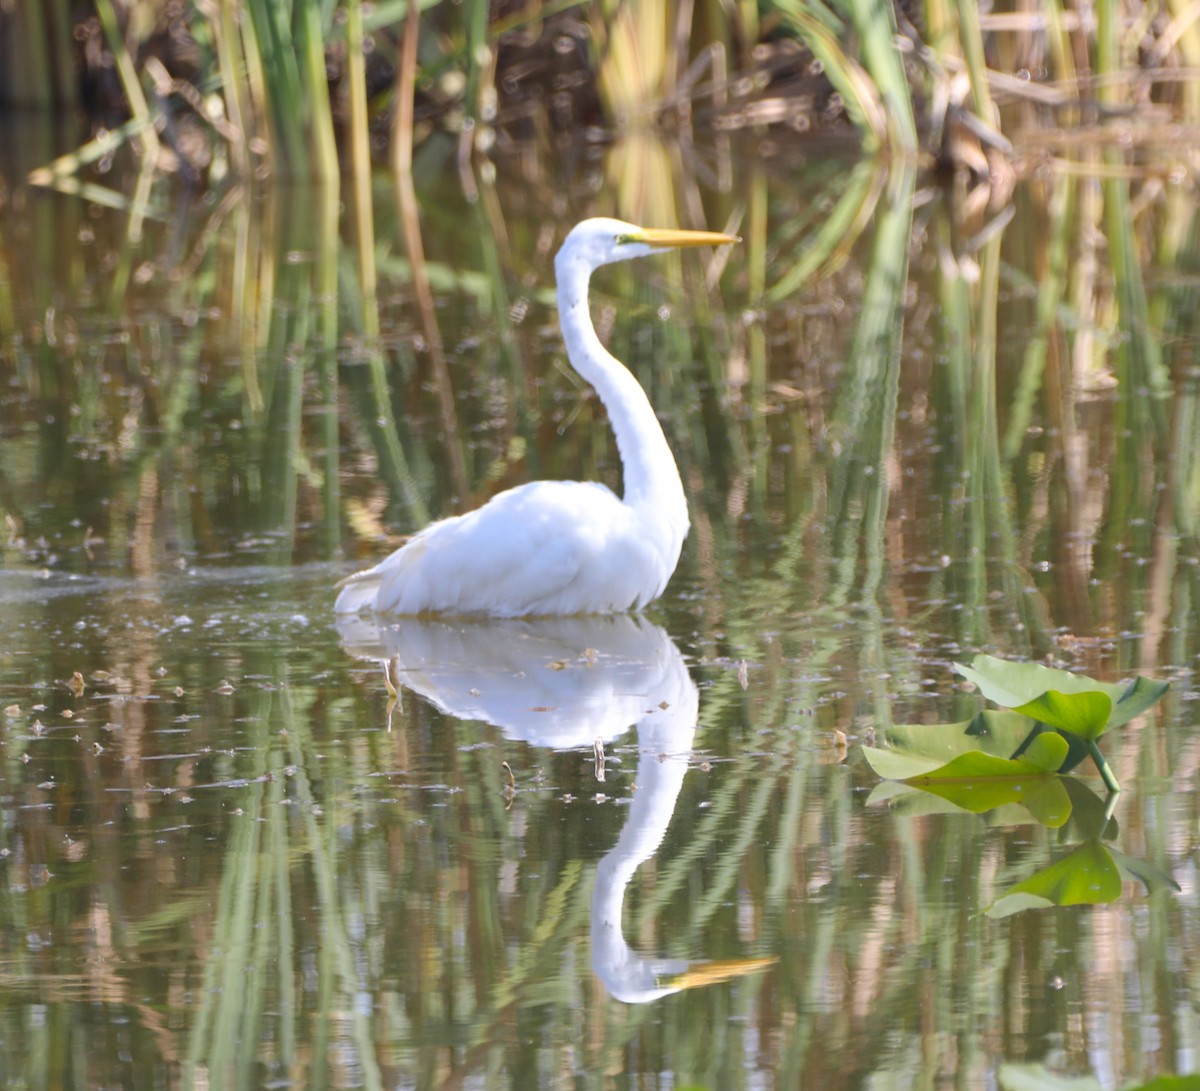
(588, 853)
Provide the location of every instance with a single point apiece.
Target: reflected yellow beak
(666, 236)
(713, 973)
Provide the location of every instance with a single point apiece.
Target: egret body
(558, 547)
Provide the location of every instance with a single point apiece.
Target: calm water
(911, 429)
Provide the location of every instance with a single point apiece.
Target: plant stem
(1110, 781)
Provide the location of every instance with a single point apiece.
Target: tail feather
(360, 591)
(357, 592)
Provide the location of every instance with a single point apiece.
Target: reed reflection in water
(909, 430)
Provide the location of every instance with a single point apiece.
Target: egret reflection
(565, 683)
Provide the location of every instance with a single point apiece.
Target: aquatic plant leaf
(1086, 876)
(1169, 1083)
(906, 801)
(992, 731)
(979, 782)
(897, 765)
(1012, 684)
(1090, 818)
(1151, 876)
(1041, 758)
(916, 750)
(1011, 803)
(1043, 796)
(1077, 750)
(1139, 695)
(949, 761)
(921, 748)
(1046, 752)
(1016, 684)
(1082, 714)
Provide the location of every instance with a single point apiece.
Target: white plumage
(558, 547)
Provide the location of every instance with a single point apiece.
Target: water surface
(228, 862)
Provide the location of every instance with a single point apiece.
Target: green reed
(291, 80)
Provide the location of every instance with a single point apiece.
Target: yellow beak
(666, 236)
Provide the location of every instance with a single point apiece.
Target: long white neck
(652, 484)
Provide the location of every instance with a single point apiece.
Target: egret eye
(621, 240)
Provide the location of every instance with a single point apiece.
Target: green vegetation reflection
(1012, 763)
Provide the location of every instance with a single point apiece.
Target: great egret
(558, 547)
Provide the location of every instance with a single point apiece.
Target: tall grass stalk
(971, 39)
(1061, 52)
(325, 157)
(327, 364)
(256, 87)
(1108, 49)
(128, 75)
(861, 95)
(875, 24)
(990, 512)
(1184, 35)
(360, 168)
(405, 91)
(27, 52)
(231, 58)
(480, 89)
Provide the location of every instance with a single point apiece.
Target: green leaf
(960, 764)
(932, 745)
(1006, 802)
(1139, 695)
(1090, 820)
(1046, 800)
(979, 782)
(1082, 714)
(1087, 876)
(905, 801)
(1047, 752)
(895, 764)
(1016, 902)
(1043, 797)
(1042, 758)
(1151, 876)
(1011, 684)
(1016, 684)
(1169, 1083)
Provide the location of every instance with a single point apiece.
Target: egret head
(600, 241)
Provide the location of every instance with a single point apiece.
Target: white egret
(558, 547)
